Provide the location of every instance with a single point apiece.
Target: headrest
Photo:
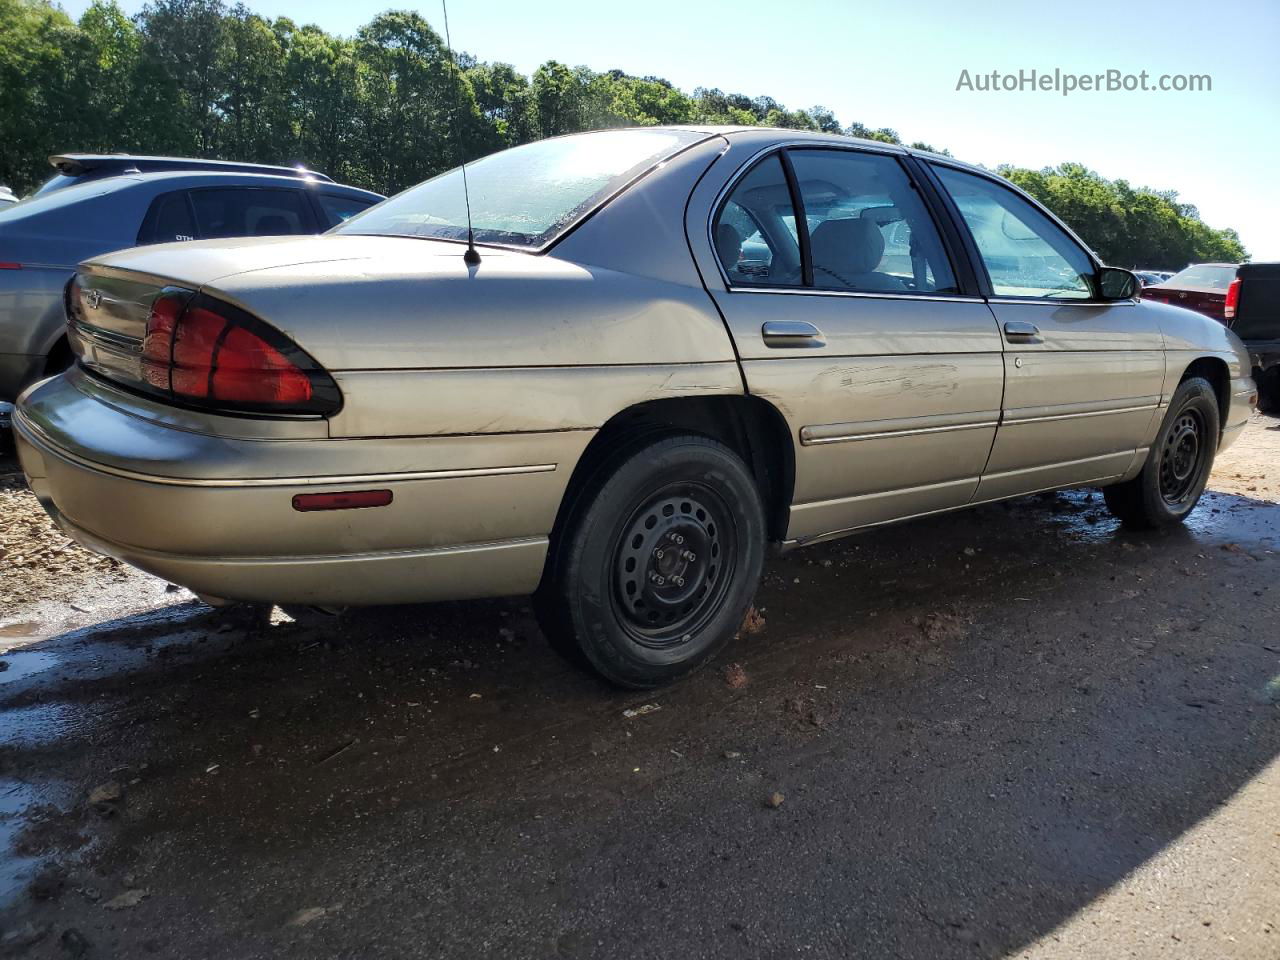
(847, 246)
(728, 244)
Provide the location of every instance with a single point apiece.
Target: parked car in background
(1149, 278)
(1253, 313)
(610, 406)
(84, 210)
(7, 197)
(1201, 287)
(77, 168)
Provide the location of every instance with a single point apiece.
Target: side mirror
(1117, 284)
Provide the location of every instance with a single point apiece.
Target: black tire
(657, 562)
(1269, 390)
(1178, 464)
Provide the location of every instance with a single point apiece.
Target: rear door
(845, 310)
(1083, 377)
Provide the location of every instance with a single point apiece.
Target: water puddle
(25, 727)
(19, 664)
(26, 630)
(14, 798)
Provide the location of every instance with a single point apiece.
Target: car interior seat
(848, 250)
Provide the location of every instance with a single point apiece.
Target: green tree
(1124, 226)
(251, 103)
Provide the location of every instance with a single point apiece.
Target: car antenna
(472, 256)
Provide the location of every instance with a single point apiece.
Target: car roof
(177, 179)
(784, 134)
(79, 164)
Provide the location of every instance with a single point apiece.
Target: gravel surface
(1012, 731)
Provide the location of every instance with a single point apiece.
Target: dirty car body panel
(481, 402)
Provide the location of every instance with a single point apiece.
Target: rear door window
(253, 212)
(869, 231)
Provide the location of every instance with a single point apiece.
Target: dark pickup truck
(1252, 310)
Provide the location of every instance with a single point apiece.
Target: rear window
(1204, 276)
(525, 196)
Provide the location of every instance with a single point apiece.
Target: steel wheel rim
(673, 565)
(1181, 456)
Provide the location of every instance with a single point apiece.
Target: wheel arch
(1215, 370)
(750, 426)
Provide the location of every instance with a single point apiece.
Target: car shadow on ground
(977, 724)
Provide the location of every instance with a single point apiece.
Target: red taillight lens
(157, 342)
(1233, 299)
(9, 265)
(250, 370)
(210, 353)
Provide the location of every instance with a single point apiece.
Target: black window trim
(963, 271)
(979, 265)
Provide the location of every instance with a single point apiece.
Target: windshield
(1204, 276)
(525, 196)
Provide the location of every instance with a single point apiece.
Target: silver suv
(96, 204)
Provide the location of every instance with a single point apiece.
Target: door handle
(1021, 331)
(791, 333)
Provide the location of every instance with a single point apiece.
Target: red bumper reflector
(351, 500)
(6, 265)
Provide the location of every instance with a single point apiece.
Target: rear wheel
(1178, 464)
(656, 568)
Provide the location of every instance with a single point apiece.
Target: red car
(1201, 287)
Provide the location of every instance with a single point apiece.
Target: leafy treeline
(1128, 226)
(389, 107)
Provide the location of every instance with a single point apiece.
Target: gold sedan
(634, 358)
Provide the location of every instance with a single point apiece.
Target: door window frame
(950, 239)
(974, 255)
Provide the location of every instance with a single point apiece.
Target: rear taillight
(202, 351)
(9, 265)
(1233, 300)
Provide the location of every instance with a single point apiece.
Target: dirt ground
(1012, 731)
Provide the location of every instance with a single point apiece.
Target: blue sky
(897, 64)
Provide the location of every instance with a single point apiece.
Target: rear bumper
(215, 514)
(396, 576)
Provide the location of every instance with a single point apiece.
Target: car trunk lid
(1211, 303)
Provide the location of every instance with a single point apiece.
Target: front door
(1083, 377)
(848, 319)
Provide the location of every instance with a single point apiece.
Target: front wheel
(1178, 464)
(655, 570)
